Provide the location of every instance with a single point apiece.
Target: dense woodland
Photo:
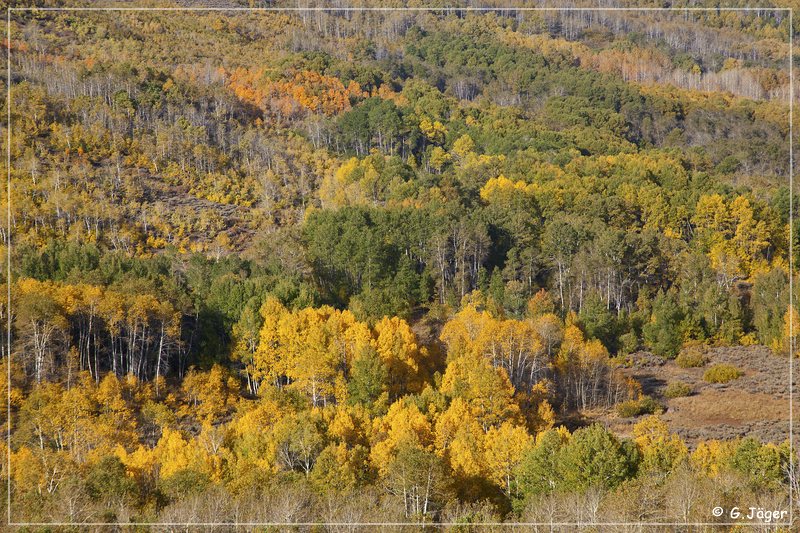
(386, 267)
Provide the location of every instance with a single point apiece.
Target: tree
(751, 236)
(404, 359)
(420, 479)
(210, 394)
(183, 484)
(540, 304)
(711, 310)
(176, 455)
(368, 379)
(299, 442)
(42, 324)
(246, 335)
(663, 333)
(267, 360)
(790, 329)
(310, 366)
(594, 457)
(512, 345)
(713, 220)
(485, 389)
(402, 426)
(764, 465)
(711, 457)
(539, 469)
(598, 322)
(459, 439)
(376, 122)
(660, 451)
(560, 241)
(769, 298)
(548, 328)
(108, 480)
(340, 469)
(505, 446)
(116, 417)
(586, 377)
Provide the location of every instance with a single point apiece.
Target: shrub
(691, 358)
(643, 406)
(649, 406)
(628, 409)
(722, 373)
(676, 389)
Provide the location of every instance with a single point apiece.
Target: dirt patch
(756, 404)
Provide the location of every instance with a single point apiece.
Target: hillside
(432, 265)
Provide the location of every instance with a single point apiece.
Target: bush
(643, 406)
(676, 389)
(628, 409)
(691, 358)
(722, 373)
(648, 406)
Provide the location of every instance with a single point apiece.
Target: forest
(329, 267)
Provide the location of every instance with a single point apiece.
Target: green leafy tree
(539, 471)
(420, 479)
(769, 299)
(764, 465)
(368, 379)
(594, 457)
(663, 333)
(598, 322)
(107, 480)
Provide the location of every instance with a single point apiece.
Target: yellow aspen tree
(28, 471)
(751, 236)
(347, 424)
(404, 424)
(140, 464)
(397, 346)
(790, 330)
(486, 390)
(116, 420)
(661, 451)
(209, 394)
(310, 364)
(175, 453)
(251, 432)
(712, 219)
(267, 360)
(459, 440)
(710, 457)
(504, 448)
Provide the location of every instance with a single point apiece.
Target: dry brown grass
(756, 404)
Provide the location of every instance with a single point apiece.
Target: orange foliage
(303, 91)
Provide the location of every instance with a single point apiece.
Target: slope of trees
(370, 267)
